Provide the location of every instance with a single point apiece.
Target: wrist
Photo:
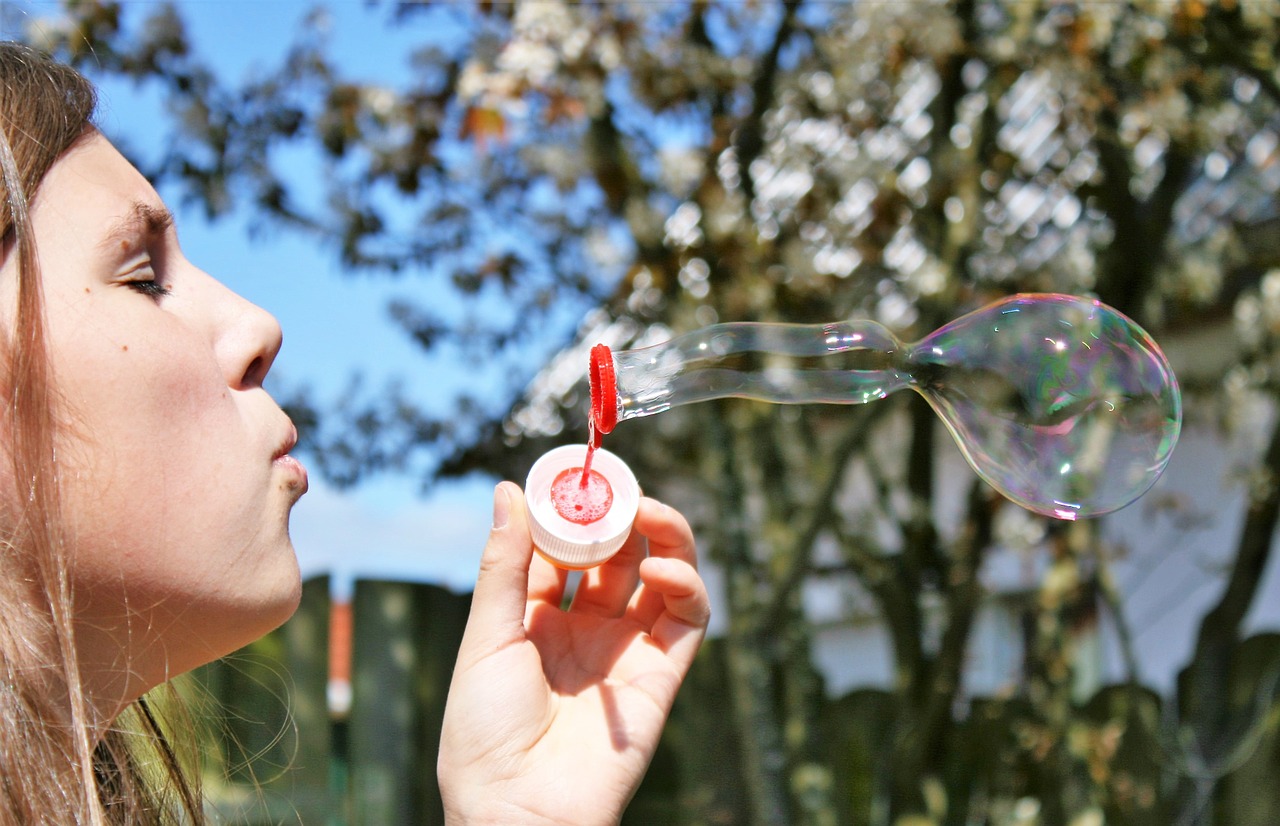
(495, 813)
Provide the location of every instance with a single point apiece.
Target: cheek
(152, 449)
(151, 403)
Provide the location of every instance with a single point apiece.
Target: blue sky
(333, 324)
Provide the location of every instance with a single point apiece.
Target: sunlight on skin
(554, 715)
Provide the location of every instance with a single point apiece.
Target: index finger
(667, 530)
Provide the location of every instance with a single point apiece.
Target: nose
(248, 340)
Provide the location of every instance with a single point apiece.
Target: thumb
(502, 585)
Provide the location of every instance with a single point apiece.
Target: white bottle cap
(568, 544)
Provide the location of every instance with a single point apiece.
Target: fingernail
(501, 505)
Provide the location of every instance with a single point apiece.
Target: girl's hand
(553, 715)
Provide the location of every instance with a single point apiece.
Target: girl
(145, 489)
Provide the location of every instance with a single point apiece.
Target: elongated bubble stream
(1061, 403)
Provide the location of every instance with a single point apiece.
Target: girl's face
(176, 478)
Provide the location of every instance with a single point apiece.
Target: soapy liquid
(581, 495)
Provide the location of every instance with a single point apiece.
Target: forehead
(93, 191)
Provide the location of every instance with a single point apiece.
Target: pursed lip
(283, 460)
(287, 444)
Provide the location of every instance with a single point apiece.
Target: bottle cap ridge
(568, 544)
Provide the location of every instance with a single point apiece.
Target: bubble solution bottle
(1061, 403)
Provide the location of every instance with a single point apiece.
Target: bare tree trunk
(748, 646)
(1203, 702)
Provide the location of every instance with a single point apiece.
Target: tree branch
(750, 137)
(823, 511)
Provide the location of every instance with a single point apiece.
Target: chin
(291, 600)
(278, 606)
(273, 598)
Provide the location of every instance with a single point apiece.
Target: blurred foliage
(663, 166)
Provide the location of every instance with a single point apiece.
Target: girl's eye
(150, 288)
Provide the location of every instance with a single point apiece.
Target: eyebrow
(142, 218)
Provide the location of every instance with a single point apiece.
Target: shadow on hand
(582, 652)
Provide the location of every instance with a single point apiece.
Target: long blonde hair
(54, 768)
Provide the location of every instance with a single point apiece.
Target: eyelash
(150, 288)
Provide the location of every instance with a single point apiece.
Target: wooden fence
(281, 758)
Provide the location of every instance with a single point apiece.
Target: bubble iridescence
(1062, 403)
